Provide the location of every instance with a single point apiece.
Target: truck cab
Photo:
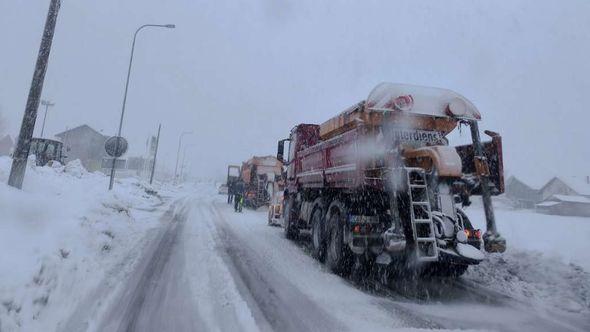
(259, 175)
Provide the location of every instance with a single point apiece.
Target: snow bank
(546, 283)
(546, 264)
(59, 235)
(560, 237)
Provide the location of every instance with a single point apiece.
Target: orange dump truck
(379, 184)
(260, 176)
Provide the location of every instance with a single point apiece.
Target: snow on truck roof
(393, 97)
(444, 108)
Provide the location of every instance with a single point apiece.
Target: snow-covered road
(210, 269)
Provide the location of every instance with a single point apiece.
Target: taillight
(362, 229)
(473, 234)
(356, 229)
(477, 234)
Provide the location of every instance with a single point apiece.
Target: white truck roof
(393, 97)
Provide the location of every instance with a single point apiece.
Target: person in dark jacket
(238, 195)
(230, 191)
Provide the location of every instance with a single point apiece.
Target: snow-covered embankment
(60, 236)
(546, 264)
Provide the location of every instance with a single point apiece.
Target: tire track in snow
(90, 307)
(282, 304)
(454, 304)
(216, 291)
(151, 300)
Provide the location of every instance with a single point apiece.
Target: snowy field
(547, 262)
(559, 237)
(76, 257)
(61, 236)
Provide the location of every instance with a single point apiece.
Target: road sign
(111, 146)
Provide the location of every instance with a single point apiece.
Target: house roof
(513, 179)
(533, 181)
(570, 199)
(82, 128)
(548, 203)
(578, 183)
(6, 139)
(551, 181)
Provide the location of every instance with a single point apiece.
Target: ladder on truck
(261, 190)
(421, 215)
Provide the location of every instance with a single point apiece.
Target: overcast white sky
(240, 74)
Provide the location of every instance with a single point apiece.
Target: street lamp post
(183, 158)
(168, 26)
(178, 154)
(47, 104)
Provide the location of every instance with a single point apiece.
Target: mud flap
(494, 242)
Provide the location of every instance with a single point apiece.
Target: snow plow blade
(462, 254)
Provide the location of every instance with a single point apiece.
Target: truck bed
(332, 163)
(339, 162)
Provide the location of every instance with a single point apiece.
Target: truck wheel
(290, 231)
(360, 270)
(318, 237)
(337, 255)
(458, 270)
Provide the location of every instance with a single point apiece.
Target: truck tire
(360, 271)
(318, 236)
(291, 231)
(338, 256)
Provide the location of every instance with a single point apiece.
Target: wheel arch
(337, 204)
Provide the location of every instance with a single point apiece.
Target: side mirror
(281, 150)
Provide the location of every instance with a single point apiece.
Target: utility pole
(155, 154)
(182, 162)
(21, 153)
(178, 154)
(47, 104)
